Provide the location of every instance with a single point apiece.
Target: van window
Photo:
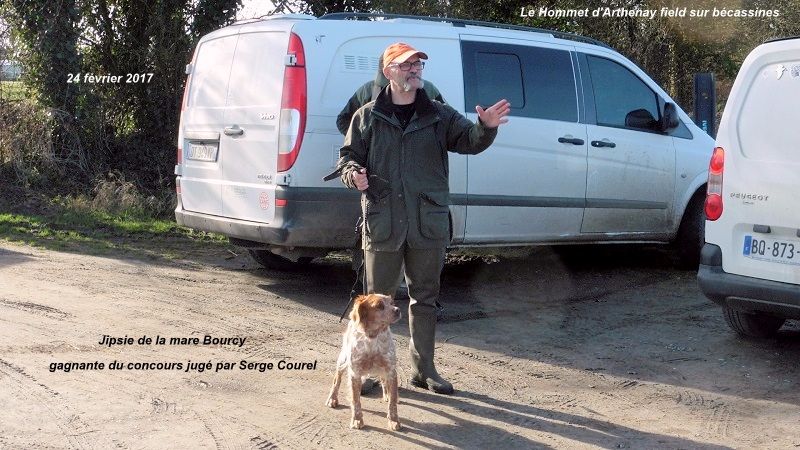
(551, 79)
(499, 66)
(618, 92)
(539, 82)
(210, 73)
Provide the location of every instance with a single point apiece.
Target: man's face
(406, 80)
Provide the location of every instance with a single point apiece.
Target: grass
(93, 232)
(12, 90)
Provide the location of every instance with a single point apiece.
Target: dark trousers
(423, 269)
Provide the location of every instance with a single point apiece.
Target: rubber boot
(422, 326)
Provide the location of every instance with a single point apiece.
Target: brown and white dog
(368, 349)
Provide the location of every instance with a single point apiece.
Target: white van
(595, 151)
(751, 262)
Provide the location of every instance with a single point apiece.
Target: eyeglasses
(406, 66)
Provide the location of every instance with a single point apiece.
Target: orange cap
(399, 52)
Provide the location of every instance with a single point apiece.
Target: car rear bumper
(745, 293)
(312, 217)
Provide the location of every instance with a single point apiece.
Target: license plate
(202, 152)
(784, 251)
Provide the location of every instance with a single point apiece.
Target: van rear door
(230, 124)
(250, 134)
(202, 122)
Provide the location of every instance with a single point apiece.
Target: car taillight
(293, 105)
(716, 167)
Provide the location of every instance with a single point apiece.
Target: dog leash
(378, 188)
(353, 292)
(360, 271)
(360, 274)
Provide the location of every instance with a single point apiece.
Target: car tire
(691, 234)
(752, 324)
(276, 262)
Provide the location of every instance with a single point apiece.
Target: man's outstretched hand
(494, 115)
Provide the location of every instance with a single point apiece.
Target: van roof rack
(464, 22)
(787, 38)
(266, 17)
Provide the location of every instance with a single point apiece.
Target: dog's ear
(359, 309)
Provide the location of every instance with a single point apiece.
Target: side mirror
(669, 117)
(642, 119)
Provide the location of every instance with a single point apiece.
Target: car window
(551, 79)
(621, 98)
(539, 82)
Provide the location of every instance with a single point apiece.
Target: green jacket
(409, 193)
(367, 93)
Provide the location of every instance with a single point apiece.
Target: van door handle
(233, 131)
(567, 140)
(603, 144)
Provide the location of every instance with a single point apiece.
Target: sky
(254, 8)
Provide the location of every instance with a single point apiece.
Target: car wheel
(691, 234)
(276, 262)
(753, 324)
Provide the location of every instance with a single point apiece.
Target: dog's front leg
(357, 419)
(394, 420)
(385, 389)
(333, 398)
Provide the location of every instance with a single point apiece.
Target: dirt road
(583, 348)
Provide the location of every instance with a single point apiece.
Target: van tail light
(293, 105)
(178, 162)
(716, 167)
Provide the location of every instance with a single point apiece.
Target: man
(366, 93)
(395, 153)
(369, 92)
